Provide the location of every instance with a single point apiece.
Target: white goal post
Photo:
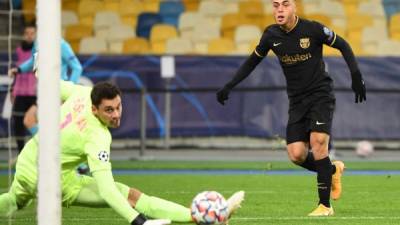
(49, 60)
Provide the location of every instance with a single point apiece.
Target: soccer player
(298, 45)
(86, 116)
(68, 62)
(23, 90)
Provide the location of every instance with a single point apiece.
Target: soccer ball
(364, 149)
(209, 207)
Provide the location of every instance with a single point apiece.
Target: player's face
(109, 112)
(29, 34)
(284, 11)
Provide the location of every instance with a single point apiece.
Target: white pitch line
(320, 218)
(226, 191)
(247, 218)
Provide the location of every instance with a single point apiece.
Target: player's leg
(298, 136)
(21, 105)
(235, 201)
(319, 142)
(8, 204)
(88, 196)
(297, 139)
(30, 120)
(321, 115)
(336, 188)
(298, 154)
(18, 197)
(83, 191)
(18, 125)
(153, 207)
(158, 208)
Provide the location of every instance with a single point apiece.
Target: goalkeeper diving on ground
(86, 115)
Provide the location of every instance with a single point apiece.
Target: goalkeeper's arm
(110, 193)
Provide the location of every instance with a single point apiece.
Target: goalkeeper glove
(157, 222)
(142, 220)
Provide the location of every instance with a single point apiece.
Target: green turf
(271, 199)
(257, 165)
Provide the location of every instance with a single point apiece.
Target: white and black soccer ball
(209, 207)
(103, 156)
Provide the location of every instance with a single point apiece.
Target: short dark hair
(31, 25)
(103, 90)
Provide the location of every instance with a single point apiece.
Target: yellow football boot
(336, 188)
(322, 210)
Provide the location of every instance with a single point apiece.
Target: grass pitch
(270, 199)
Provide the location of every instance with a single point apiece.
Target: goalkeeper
(86, 114)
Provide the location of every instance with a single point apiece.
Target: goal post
(49, 60)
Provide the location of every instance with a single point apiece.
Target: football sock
(324, 179)
(157, 208)
(309, 163)
(8, 205)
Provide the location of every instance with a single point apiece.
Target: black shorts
(305, 118)
(22, 104)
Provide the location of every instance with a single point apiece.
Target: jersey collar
(294, 26)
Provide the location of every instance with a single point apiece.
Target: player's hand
(142, 220)
(157, 222)
(223, 95)
(12, 72)
(358, 87)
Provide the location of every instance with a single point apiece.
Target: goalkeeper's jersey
(83, 137)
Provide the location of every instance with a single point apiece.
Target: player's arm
(245, 69)
(69, 56)
(97, 150)
(67, 88)
(357, 82)
(330, 38)
(110, 193)
(26, 66)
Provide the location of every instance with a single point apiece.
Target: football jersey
(300, 55)
(83, 136)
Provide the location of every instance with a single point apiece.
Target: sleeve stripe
(258, 54)
(334, 39)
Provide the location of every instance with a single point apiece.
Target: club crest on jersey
(304, 43)
(103, 156)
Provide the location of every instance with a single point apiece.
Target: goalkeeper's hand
(223, 95)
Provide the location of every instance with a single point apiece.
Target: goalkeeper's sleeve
(110, 193)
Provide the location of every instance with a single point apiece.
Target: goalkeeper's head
(106, 104)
